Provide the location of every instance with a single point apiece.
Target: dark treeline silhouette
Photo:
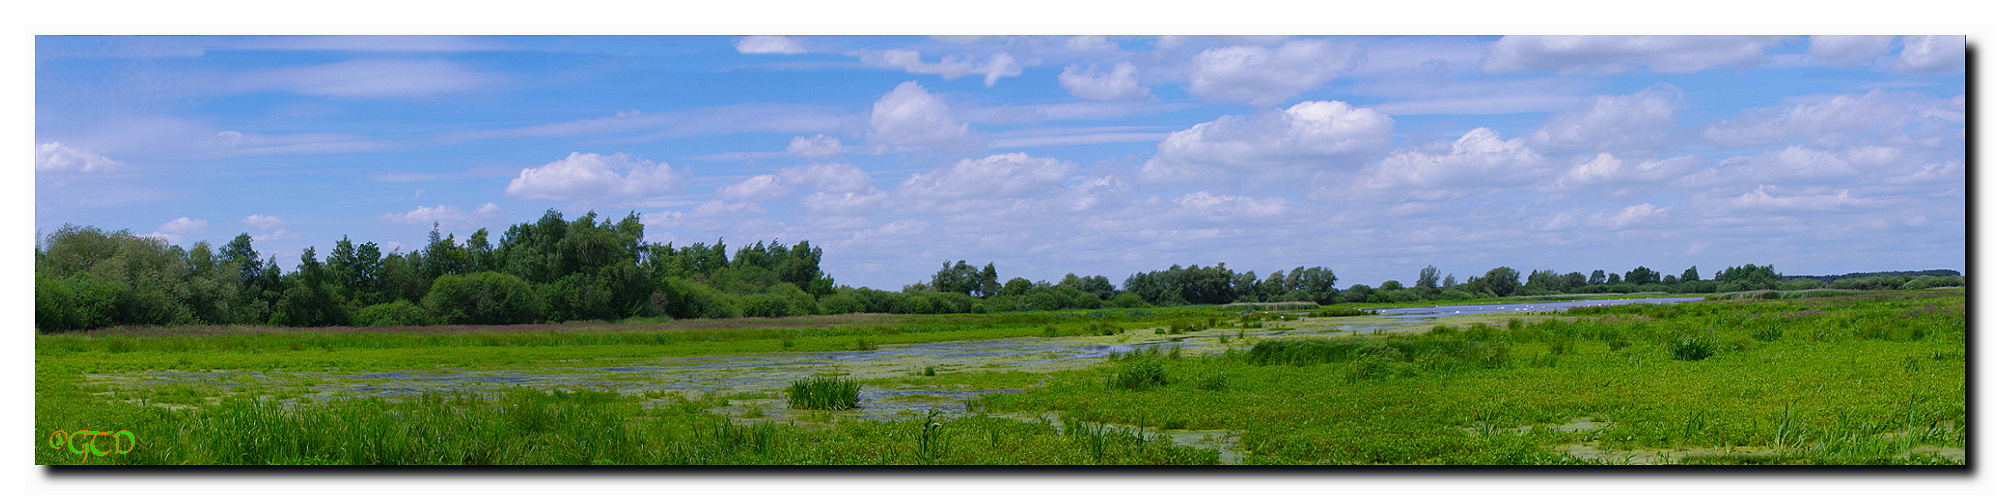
(594, 269)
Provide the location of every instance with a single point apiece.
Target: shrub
(1139, 376)
(824, 393)
(486, 298)
(398, 313)
(1693, 349)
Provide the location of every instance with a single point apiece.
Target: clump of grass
(862, 344)
(1768, 335)
(930, 371)
(824, 393)
(1693, 349)
(755, 412)
(1139, 376)
(1213, 382)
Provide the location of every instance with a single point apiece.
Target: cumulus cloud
(1606, 169)
(1309, 136)
(56, 157)
(1791, 165)
(369, 79)
(998, 176)
(1631, 217)
(1760, 199)
(1121, 82)
(1000, 64)
(818, 146)
(1264, 76)
(828, 177)
(184, 225)
(1478, 156)
(758, 188)
(1089, 43)
(852, 203)
(1833, 121)
(264, 222)
(583, 176)
(1230, 206)
(1849, 49)
(769, 44)
(1932, 54)
(911, 116)
(1614, 122)
(1602, 55)
(440, 213)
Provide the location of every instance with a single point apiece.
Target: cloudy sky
(1373, 156)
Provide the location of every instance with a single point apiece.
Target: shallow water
(758, 380)
(1434, 312)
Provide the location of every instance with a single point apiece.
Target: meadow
(1864, 378)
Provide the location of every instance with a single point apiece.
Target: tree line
(593, 268)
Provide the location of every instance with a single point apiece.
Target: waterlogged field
(1876, 378)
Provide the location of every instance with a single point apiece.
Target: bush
(486, 298)
(398, 313)
(840, 303)
(1128, 300)
(687, 299)
(1693, 349)
(1139, 376)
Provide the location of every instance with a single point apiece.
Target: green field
(1870, 378)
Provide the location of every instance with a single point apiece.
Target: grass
(1847, 380)
(1873, 378)
(824, 393)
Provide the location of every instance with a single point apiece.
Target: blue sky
(1373, 156)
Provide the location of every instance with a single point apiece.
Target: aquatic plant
(823, 393)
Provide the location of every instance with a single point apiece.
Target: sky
(1373, 156)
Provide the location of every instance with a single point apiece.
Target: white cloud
(264, 222)
(1760, 199)
(1791, 165)
(1849, 49)
(1595, 54)
(439, 214)
(1614, 122)
(818, 146)
(56, 157)
(1000, 64)
(1932, 54)
(184, 225)
(758, 188)
(593, 176)
(1605, 169)
(909, 115)
(1089, 43)
(769, 44)
(1229, 206)
(1122, 82)
(846, 203)
(1309, 136)
(1834, 121)
(1478, 156)
(1641, 215)
(368, 79)
(998, 176)
(1264, 76)
(828, 177)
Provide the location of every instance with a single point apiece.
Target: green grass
(1875, 378)
(823, 393)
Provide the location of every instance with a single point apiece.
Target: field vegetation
(1873, 378)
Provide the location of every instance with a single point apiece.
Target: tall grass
(824, 393)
